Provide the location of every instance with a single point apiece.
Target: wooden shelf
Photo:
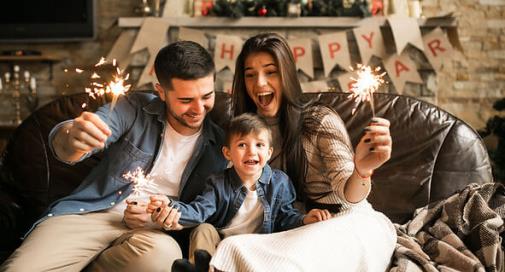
(28, 59)
(276, 22)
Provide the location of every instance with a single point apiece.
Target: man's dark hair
(185, 60)
(244, 124)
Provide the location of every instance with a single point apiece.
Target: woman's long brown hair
(290, 112)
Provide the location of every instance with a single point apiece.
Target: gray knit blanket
(461, 233)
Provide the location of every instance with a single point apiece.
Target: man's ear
(160, 90)
(226, 153)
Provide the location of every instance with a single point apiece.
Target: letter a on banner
(369, 39)
(401, 69)
(334, 50)
(226, 51)
(302, 53)
(437, 48)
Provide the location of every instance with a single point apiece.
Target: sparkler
(117, 86)
(365, 85)
(140, 181)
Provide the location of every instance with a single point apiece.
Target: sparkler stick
(365, 85)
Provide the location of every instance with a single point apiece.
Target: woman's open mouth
(265, 98)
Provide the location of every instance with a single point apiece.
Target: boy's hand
(316, 215)
(163, 214)
(167, 217)
(156, 201)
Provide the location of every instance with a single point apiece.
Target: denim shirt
(137, 123)
(225, 193)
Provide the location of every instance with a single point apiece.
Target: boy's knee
(204, 229)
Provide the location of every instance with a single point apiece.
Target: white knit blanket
(359, 240)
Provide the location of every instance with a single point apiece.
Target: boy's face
(249, 153)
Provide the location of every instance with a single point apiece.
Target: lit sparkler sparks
(117, 86)
(365, 85)
(140, 181)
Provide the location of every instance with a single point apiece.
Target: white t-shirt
(249, 217)
(176, 150)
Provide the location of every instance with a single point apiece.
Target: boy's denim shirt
(225, 193)
(137, 123)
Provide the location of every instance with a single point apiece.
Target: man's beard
(183, 122)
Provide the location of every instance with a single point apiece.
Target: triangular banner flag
(345, 81)
(302, 53)
(334, 50)
(318, 86)
(121, 49)
(401, 69)
(226, 51)
(153, 36)
(405, 30)
(370, 41)
(438, 48)
(188, 34)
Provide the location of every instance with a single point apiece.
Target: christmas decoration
(282, 8)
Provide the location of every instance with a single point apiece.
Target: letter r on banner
(434, 46)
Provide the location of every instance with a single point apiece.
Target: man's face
(188, 103)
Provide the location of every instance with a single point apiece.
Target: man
(101, 226)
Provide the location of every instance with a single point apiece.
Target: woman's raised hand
(374, 148)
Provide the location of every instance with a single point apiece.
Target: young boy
(249, 197)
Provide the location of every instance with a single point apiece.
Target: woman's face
(263, 83)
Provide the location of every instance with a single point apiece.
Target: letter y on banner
(369, 39)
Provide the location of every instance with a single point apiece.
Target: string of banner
(334, 49)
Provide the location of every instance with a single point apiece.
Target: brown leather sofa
(434, 155)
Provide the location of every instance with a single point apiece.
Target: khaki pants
(205, 236)
(94, 242)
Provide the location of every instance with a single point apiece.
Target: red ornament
(262, 11)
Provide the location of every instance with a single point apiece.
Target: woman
(311, 144)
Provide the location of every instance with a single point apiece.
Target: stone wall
(467, 86)
(473, 80)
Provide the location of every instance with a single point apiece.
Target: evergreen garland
(278, 8)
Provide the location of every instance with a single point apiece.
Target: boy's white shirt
(249, 217)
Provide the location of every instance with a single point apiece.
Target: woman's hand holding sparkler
(374, 148)
(85, 133)
(163, 214)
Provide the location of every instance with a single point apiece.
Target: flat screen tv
(47, 21)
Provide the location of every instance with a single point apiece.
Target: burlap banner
(345, 81)
(316, 86)
(226, 51)
(369, 39)
(400, 69)
(302, 52)
(121, 49)
(405, 30)
(334, 50)
(189, 34)
(438, 49)
(153, 36)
